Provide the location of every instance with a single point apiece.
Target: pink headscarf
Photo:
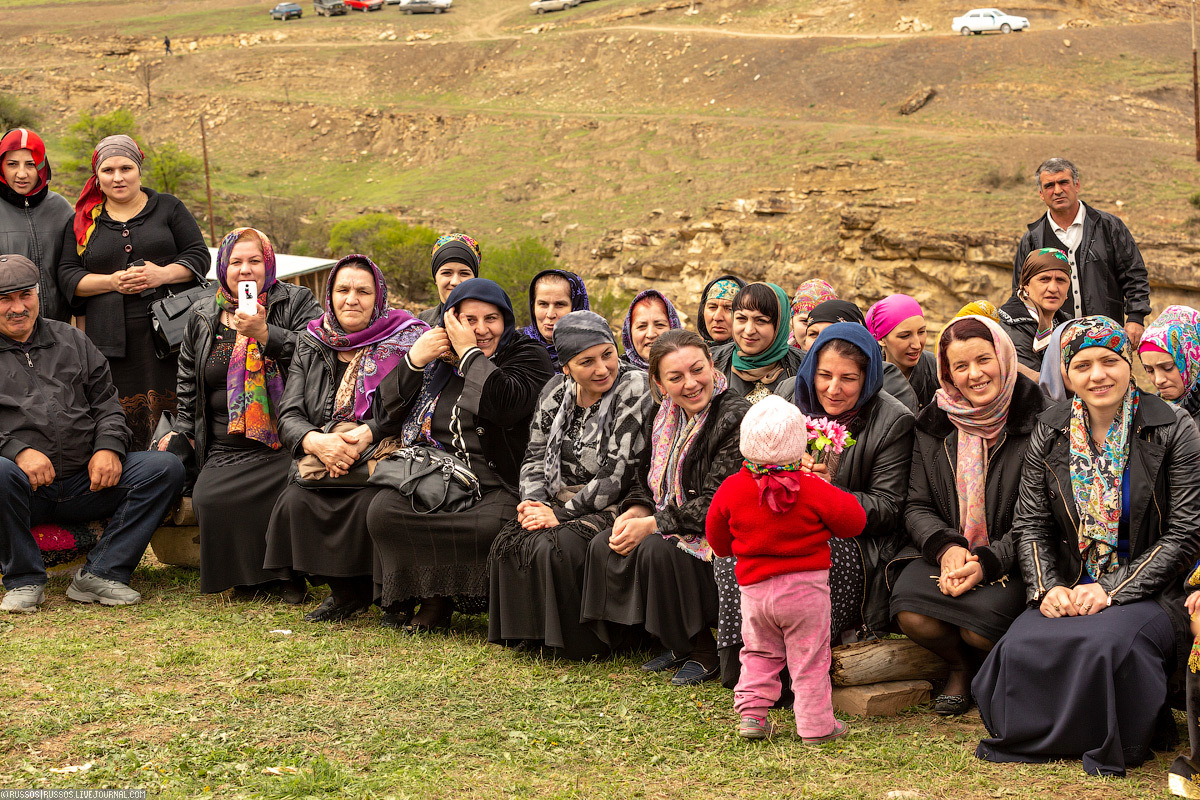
(884, 316)
(975, 426)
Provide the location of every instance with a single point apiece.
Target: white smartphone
(247, 301)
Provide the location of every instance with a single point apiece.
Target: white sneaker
(24, 599)
(88, 588)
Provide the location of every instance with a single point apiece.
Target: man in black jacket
(1108, 275)
(62, 454)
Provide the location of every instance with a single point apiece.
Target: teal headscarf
(779, 347)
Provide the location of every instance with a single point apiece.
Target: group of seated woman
(999, 522)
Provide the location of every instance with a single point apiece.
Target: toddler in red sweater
(777, 520)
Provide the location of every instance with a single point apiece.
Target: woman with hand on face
(1030, 315)
(650, 316)
(1105, 523)
(960, 589)
(232, 367)
(553, 293)
(811, 294)
(338, 367)
(468, 388)
(898, 324)
(587, 436)
(32, 217)
(759, 355)
(653, 570)
(127, 247)
(456, 258)
(714, 320)
(1170, 354)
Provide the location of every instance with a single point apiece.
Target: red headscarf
(90, 204)
(25, 139)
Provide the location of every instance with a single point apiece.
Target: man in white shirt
(1108, 275)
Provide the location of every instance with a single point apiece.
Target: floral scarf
(579, 302)
(1175, 333)
(673, 436)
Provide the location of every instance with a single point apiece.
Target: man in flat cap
(62, 454)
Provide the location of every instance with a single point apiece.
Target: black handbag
(169, 317)
(432, 480)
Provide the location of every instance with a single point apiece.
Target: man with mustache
(63, 441)
(1108, 276)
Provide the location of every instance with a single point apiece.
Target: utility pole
(1195, 83)
(212, 232)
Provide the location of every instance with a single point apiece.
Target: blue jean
(135, 507)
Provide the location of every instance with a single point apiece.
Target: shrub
(83, 135)
(400, 250)
(169, 168)
(15, 115)
(996, 179)
(1194, 200)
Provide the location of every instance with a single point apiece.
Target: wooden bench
(883, 677)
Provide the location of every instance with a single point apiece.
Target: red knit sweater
(768, 544)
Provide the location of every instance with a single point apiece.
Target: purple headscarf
(384, 342)
(579, 302)
(884, 316)
(631, 353)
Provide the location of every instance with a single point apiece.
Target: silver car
(542, 6)
(425, 6)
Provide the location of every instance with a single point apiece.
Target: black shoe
(528, 646)
(332, 611)
(293, 593)
(693, 673)
(435, 615)
(952, 705)
(664, 661)
(393, 620)
(1182, 778)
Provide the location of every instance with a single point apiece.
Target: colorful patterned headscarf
(1047, 259)
(579, 302)
(981, 308)
(812, 293)
(90, 204)
(976, 425)
(253, 383)
(1096, 477)
(25, 139)
(1175, 333)
(722, 287)
(631, 353)
(456, 247)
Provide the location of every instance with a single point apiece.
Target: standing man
(62, 454)
(167, 44)
(33, 218)
(1108, 275)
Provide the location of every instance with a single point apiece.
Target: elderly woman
(650, 315)
(129, 245)
(714, 320)
(32, 216)
(811, 294)
(232, 367)
(553, 293)
(898, 324)
(652, 570)
(587, 435)
(1030, 315)
(1106, 520)
(959, 591)
(478, 410)
(759, 355)
(329, 416)
(1170, 354)
(842, 379)
(456, 258)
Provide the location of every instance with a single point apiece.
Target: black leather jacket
(289, 309)
(1164, 488)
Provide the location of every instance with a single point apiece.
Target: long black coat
(1164, 489)
(932, 514)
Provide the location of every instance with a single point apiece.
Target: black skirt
(657, 587)
(436, 555)
(321, 532)
(145, 383)
(535, 585)
(233, 499)
(988, 609)
(1077, 687)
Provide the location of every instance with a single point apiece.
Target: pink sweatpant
(785, 620)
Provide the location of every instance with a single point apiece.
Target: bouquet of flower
(826, 437)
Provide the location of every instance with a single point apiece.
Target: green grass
(193, 696)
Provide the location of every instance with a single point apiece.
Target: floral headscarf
(1175, 333)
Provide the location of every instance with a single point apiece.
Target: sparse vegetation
(400, 250)
(996, 178)
(14, 114)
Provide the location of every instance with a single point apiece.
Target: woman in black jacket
(653, 570)
(956, 594)
(127, 248)
(1105, 519)
(232, 368)
(330, 415)
(479, 410)
(1030, 315)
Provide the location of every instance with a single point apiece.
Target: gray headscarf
(1051, 379)
(574, 333)
(117, 145)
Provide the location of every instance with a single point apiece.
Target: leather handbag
(169, 317)
(432, 480)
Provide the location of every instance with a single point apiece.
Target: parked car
(286, 11)
(542, 6)
(365, 5)
(425, 6)
(329, 8)
(980, 20)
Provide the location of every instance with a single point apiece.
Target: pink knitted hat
(774, 432)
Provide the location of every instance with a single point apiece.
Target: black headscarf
(837, 311)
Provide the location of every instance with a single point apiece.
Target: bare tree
(146, 77)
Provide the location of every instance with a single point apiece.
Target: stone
(885, 699)
(177, 546)
(917, 100)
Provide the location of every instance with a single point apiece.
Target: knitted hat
(774, 432)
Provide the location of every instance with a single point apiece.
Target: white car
(542, 6)
(980, 20)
